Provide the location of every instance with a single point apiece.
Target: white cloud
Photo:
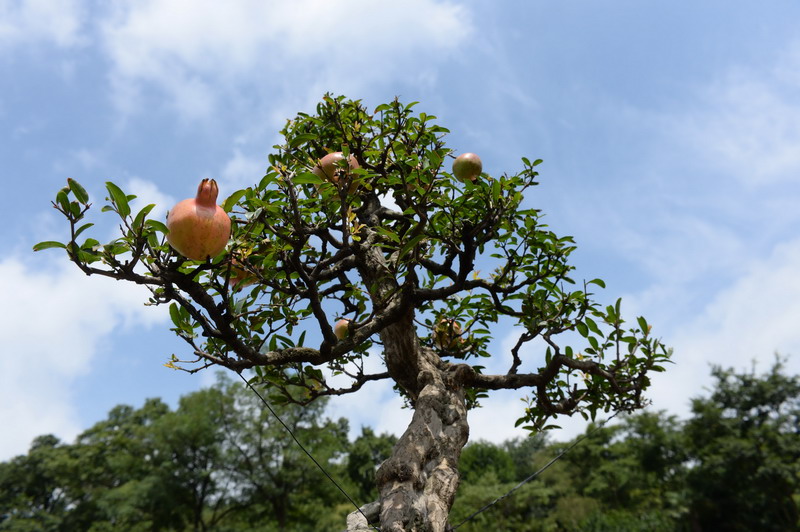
(750, 319)
(748, 123)
(51, 333)
(147, 193)
(202, 52)
(32, 21)
(242, 171)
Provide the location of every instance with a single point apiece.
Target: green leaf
(410, 245)
(75, 210)
(598, 282)
(496, 192)
(48, 244)
(233, 199)
(138, 222)
(301, 139)
(391, 235)
(90, 244)
(158, 226)
(174, 314)
(63, 200)
(582, 329)
(307, 178)
(119, 199)
(82, 228)
(78, 190)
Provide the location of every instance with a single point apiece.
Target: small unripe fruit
(341, 328)
(447, 334)
(328, 168)
(198, 227)
(467, 167)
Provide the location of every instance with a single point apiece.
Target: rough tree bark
(418, 483)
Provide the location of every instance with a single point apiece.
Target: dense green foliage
(220, 462)
(396, 246)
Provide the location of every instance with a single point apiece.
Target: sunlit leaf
(48, 244)
(119, 199)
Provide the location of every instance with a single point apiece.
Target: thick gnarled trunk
(418, 483)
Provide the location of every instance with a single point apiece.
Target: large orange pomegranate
(467, 166)
(198, 227)
(328, 168)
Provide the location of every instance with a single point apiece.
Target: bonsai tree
(421, 265)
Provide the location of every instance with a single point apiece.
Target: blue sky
(670, 135)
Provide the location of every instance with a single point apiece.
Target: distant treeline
(220, 462)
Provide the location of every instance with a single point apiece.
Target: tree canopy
(423, 265)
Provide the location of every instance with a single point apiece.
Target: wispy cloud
(199, 54)
(40, 21)
(748, 122)
(51, 334)
(241, 171)
(749, 320)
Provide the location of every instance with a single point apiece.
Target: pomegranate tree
(411, 275)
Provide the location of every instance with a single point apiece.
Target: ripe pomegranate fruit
(328, 168)
(341, 328)
(198, 227)
(467, 166)
(447, 334)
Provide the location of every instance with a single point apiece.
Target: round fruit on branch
(342, 328)
(198, 227)
(467, 167)
(328, 168)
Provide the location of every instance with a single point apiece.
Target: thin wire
(537, 473)
(358, 508)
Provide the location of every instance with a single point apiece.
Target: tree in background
(366, 454)
(215, 463)
(423, 280)
(744, 441)
(734, 465)
(140, 469)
